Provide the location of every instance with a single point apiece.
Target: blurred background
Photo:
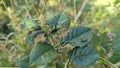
(103, 16)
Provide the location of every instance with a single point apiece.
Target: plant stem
(53, 40)
(27, 9)
(80, 10)
(67, 63)
(57, 44)
(74, 11)
(4, 4)
(109, 62)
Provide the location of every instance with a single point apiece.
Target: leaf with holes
(83, 56)
(42, 53)
(58, 20)
(80, 36)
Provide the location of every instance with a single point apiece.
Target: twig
(109, 62)
(67, 63)
(75, 10)
(9, 35)
(80, 10)
(52, 39)
(27, 10)
(3, 37)
(4, 5)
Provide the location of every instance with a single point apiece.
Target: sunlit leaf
(28, 23)
(42, 53)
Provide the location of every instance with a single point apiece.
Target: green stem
(67, 63)
(4, 4)
(109, 62)
(27, 9)
(74, 11)
(52, 39)
(57, 44)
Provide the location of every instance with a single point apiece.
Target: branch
(80, 10)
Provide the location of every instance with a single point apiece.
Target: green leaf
(31, 36)
(115, 57)
(80, 36)
(116, 44)
(58, 20)
(83, 56)
(36, 25)
(47, 66)
(116, 40)
(28, 23)
(24, 62)
(42, 53)
(43, 66)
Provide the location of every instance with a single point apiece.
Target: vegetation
(60, 33)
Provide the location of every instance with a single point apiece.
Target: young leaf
(24, 62)
(83, 56)
(28, 23)
(31, 36)
(80, 36)
(58, 20)
(42, 53)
